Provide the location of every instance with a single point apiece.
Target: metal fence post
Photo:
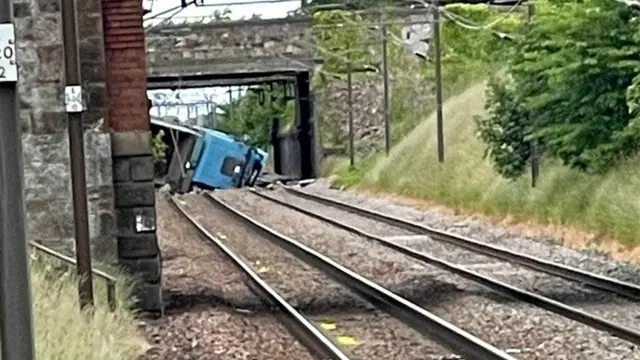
(385, 71)
(535, 163)
(438, 64)
(352, 150)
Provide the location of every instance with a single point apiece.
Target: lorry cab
(222, 161)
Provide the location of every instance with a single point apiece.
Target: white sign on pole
(8, 66)
(418, 36)
(73, 98)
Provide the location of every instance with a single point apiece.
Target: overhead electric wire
(390, 35)
(482, 27)
(165, 20)
(162, 13)
(256, 2)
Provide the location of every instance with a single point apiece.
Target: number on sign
(7, 53)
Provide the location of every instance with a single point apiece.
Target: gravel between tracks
(198, 323)
(544, 248)
(379, 336)
(603, 304)
(539, 334)
(598, 302)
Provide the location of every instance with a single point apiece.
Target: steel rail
(447, 334)
(298, 325)
(534, 299)
(598, 281)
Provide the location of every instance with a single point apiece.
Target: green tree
(252, 114)
(567, 88)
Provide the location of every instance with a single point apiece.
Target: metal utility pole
(438, 64)
(535, 164)
(16, 324)
(74, 106)
(385, 73)
(230, 107)
(350, 102)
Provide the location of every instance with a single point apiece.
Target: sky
(195, 13)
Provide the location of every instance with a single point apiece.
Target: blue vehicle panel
(225, 162)
(220, 161)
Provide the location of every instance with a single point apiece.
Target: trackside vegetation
(569, 81)
(62, 331)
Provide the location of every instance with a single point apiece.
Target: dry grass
(586, 208)
(63, 332)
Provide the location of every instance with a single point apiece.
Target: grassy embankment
(604, 205)
(62, 331)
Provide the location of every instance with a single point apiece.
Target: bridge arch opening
(204, 101)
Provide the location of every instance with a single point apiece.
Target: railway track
(597, 322)
(296, 225)
(626, 289)
(401, 310)
(303, 329)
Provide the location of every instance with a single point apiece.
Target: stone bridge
(239, 53)
(228, 52)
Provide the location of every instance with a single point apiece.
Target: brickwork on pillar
(133, 167)
(126, 64)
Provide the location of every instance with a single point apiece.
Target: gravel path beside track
(538, 334)
(201, 322)
(377, 335)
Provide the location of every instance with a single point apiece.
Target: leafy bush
(567, 88)
(158, 146)
(504, 130)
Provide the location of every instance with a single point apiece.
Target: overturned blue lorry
(205, 158)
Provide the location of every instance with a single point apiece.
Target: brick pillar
(133, 166)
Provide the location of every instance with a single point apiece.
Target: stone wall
(49, 209)
(230, 47)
